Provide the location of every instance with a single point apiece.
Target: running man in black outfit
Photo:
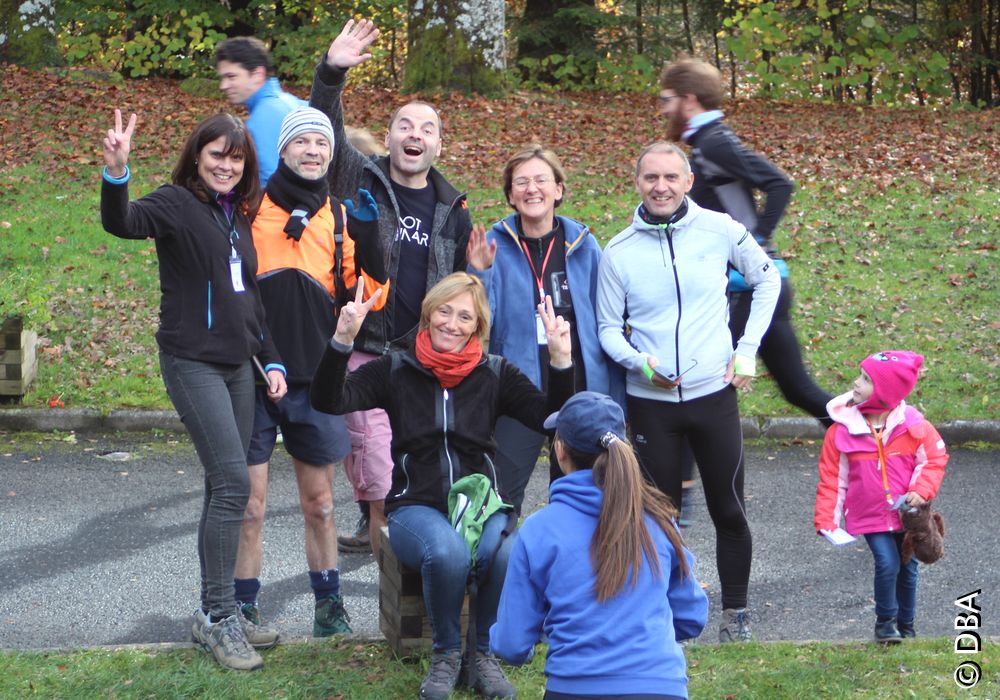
(726, 173)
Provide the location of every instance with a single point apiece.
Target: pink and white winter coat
(850, 479)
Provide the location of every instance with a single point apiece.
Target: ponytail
(621, 538)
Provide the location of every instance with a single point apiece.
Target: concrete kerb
(954, 432)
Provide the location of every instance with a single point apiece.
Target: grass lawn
(359, 671)
(891, 236)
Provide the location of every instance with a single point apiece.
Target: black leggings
(711, 425)
(779, 349)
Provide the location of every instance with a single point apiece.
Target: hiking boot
(490, 678)
(886, 632)
(906, 630)
(260, 636)
(735, 626)
(442, 676)
(331, 618)
(359, 542)
(226, 642)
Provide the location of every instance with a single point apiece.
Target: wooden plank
(12, 352)
(13, 324)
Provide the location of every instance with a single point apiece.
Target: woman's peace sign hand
(353, 315)
(557, 331)
(117, 144)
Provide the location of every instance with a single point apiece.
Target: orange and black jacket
(298, 281)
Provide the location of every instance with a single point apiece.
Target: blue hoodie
(627, 644)
(511, 289)
(268, 107)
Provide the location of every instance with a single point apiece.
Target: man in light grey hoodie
(662, 313)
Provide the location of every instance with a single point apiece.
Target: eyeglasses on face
(521, 183)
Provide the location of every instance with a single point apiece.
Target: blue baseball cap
(588, 422)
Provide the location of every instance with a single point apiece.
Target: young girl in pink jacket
(878, 456)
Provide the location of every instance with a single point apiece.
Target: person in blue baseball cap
(601, 571)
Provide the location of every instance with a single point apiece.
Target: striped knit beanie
(303, 120)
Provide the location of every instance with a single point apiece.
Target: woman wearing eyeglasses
(530, 254)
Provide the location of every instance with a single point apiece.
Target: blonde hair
(621, 537)
(453, 285)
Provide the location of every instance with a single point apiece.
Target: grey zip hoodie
(668, 283)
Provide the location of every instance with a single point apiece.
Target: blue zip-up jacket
(625, 645)
(268, 107)
(669, 282)
(511, 288)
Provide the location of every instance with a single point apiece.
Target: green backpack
(471, 501)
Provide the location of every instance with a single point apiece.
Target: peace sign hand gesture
(117, 145)
(353, 315)
(557, 331)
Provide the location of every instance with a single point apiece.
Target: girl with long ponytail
(602, 571)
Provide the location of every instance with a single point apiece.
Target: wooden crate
(18, 363)
(402, 615)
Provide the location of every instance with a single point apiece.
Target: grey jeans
(216, 404)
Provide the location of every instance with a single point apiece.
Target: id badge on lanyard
(236, 270)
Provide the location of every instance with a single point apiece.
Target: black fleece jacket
(438, 435)
(202, 316)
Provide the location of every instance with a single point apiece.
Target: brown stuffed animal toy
(924, 538)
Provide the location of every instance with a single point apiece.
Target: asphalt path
(97, 547)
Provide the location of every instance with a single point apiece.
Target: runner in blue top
(246, 76)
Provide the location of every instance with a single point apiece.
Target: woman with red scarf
(443, 398)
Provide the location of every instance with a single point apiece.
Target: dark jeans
(895, 583)
(518, 448)
(779, 349)
(423, 539)
(216, 405)
(711, 425)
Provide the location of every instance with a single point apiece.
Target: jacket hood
(578, 491)
(574, 231)
(852, 419)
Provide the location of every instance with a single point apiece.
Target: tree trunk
(687, 27)
(455, 45)
(638, 27)
(28, 33)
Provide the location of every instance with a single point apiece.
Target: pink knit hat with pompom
(894, 374)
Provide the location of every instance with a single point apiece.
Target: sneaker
(358, 543)
(226, 642)
(260, 636)
(442, 676)
(886, 632)
(735, 626)
(331, 618)
(490, 678)
(906, 630)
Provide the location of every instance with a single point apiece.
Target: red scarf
(450, 368)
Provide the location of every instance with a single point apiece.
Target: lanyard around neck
(539, 276)
(877, 433)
